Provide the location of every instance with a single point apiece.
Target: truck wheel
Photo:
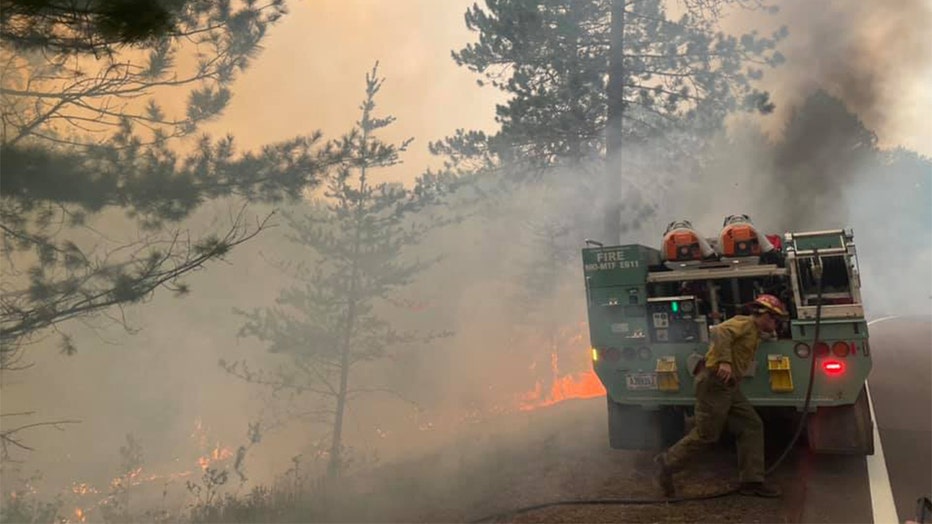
(842, 430)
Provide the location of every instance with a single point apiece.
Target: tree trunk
(613, 130)
(333, 468)
(336, 445)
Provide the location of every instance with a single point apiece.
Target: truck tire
(842, 430)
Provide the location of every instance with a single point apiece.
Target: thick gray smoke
(826, 157)
(872, 55)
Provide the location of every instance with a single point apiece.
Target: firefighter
(720, 402)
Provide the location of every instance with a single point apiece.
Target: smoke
(310, 76)
(159, 381)
(851, 92)
(860, 71)
(865, 53)
(815, 170)
(871, 55)
(148, 370)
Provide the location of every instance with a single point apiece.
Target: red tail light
(821, 349)
(833, 367)
(840, 349)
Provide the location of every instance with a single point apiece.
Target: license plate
(641, 380)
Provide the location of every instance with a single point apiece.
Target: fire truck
(650, 312)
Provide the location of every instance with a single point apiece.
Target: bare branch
(9, 437)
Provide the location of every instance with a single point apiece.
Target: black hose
(715, 495)
(602, 502)
(812, 366)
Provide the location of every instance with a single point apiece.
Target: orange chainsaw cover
(680, 245)
(739, 240)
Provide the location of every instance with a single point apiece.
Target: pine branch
(18, 323)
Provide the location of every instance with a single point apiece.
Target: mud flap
(842, 430)
(633, 427)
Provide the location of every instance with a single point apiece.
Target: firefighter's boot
(663, 477)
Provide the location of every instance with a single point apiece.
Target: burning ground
(140, 490)
(203, 477)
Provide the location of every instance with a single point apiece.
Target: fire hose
(817, 274)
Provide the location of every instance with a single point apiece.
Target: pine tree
(552, 57)
(104, 26)
(85, 134)
(678, 77)
(358, 235)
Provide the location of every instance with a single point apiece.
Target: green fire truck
(650, 318)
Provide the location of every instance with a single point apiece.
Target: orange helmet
(771, 304)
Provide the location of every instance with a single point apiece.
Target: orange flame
(580, 385)
(137, 477)
(83, 489)
(216, 455)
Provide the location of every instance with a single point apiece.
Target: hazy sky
(311, 73)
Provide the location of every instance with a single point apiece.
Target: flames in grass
(585, 384)
(563, 385)
(566, 386)
(213, 456)
(218, 454)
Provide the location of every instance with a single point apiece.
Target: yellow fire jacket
(734, 341)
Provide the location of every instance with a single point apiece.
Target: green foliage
(55, 287)
(357, 233)
(552, 57)
(49, 97)
(84, 135)
(89, 27)
(149, 181)
(100, 27)
(681, 76)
